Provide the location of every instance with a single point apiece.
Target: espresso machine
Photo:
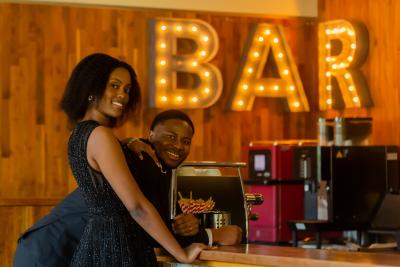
(349, 183)
(349, 180)
(222, 181)
(272, 173)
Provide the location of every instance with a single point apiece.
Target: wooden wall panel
(39, 46)
(45, 42)
(381, 68)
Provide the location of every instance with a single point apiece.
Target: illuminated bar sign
(343, 48)
(166, 63)
(180, 50)
(267, 40)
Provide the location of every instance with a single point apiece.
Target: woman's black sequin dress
(111, 237)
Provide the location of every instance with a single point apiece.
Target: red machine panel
(271, 173)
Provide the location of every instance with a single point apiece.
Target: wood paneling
(39, 46)
(381, 68)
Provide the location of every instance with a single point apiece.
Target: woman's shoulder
(88, 129)
(103, 134)
(85, 126)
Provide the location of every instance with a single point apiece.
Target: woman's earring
(90, 98)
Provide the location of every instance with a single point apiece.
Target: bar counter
(263, 255)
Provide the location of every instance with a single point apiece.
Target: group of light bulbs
(265, 39)
(337, 65)
(167, 32)
(251, 84)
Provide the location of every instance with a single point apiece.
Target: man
(52, 240)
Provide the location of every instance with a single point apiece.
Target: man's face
(171, 140)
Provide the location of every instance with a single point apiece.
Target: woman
(101, 92)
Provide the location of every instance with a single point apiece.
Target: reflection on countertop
(263, 255)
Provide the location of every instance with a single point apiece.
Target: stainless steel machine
(220, 180)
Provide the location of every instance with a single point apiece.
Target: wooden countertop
(262, 255)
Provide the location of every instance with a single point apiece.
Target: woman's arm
(105, 154)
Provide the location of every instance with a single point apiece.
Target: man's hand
(227, 235)
(137, 146)
(185, 225)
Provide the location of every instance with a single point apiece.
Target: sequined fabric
(111, 237)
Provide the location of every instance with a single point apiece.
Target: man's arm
(186, 228)
(227, 235)
(52, 240)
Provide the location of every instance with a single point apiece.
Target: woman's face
(115, 97)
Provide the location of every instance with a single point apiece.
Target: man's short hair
(171, 114)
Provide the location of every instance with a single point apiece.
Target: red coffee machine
(271, 173)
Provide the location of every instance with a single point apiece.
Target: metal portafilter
(253, 199)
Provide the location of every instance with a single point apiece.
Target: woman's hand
(137, 146)
(192, 252)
